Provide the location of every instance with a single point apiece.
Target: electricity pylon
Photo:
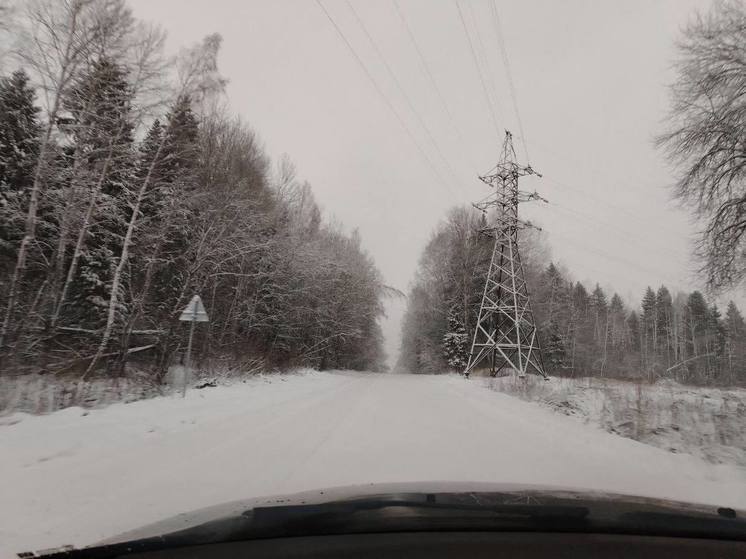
(505, 332)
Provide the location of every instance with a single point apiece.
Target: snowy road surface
(75, 478)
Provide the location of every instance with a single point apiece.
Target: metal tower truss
(505, 333)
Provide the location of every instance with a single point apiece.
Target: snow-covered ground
(706, 422)
(77, 476)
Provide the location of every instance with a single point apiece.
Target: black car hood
(656, 513)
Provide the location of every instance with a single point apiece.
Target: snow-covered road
(74, 477)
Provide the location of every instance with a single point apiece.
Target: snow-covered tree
(101, 128)
(19, 150)
(704, 136)
(19, 135)
(455, 343)
(735, 342)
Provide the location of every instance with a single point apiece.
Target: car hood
(497, 492)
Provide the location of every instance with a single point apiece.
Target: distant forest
(583, 330)
(125, 189)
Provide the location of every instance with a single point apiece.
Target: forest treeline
(583, 329)
(125, 189)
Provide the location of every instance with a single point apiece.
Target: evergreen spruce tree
(455, 343)
(167, 206)
(697, 318)
(19, 150)
(617, 322)
(19, 134)
(633, 331)
(101, 129)
(180, 149)
(735, 343)
(648, 328)
(553, 304)
(664, 323)
(599, 309)
(582, 330)
(716, 339)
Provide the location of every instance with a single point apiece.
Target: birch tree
(704, 137)
(57, 40)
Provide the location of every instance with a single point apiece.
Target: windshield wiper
(344, 510)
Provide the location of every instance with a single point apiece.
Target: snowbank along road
(75, 477)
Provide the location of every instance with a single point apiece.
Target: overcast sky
(590, 80)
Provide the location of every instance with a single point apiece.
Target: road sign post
(194, 312)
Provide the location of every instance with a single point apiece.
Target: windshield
(259, 248)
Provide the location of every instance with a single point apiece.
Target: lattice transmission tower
(505, 332)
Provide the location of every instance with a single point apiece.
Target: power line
(426, 68)
(385, 99)
(402, 91)
(485, 60)
(613, 258)
(584, 162)
(506, 62)
(479, 70)
(596, 222)
(601, 274)
(600, 201)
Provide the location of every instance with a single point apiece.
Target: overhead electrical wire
(426, 68)
(617, 259)
(589, 163)
(385, 99)
(484, 57)
(602, 275)
(598, 223)
(511, 85)
(479, 70)
(603, 202)
(604, 254)
(403, 92)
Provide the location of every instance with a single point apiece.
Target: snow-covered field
(76, 476)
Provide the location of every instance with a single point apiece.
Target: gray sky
(590, 78)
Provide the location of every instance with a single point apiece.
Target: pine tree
(664, 322)
(19, 150)
(19, 134)
(735, 342)
(617, 322)
(696, 317)
(100, 107)
(553, 313)
(581, 329)
(649, 328)
(716, 339)
(633, 331)
(167, 204)
(180, 148)
(154, 199)
(599, 309)
(455, 342)
(101, 130)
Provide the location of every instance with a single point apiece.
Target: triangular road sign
(194, 311)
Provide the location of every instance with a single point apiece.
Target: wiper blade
(347, 508)
(645, 522)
